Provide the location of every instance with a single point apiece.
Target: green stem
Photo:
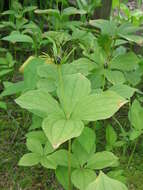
(69, 165)
(132, 154)
(121, 127)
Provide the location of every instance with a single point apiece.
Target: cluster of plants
(78, 71)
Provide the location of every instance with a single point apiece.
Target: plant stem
(69, 165)
(121, 127)
(132, 154)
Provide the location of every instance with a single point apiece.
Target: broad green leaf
(50, 85)
(39, 135)
(48, 11)
(80, 154)
(97, 80)
(36, 122)
(103, 182)
(71, 90)
(81, 178)
(48, 163)
(40, 102)
(50, 74)
(17, 37)
(133, 77)
(115, 77)
(101, 160)
(62, 176)
(133, 38)
(124, 90)
(29, 9)
(107, 27)
(48, 148)
(98, 106)
(5, 71)
(127, 28)
(89, 134)
(118, 175)
(111, 137)
(8, 12)
(134, 134)
(48, 71)
(125, 62)
(29, 159)
(61, 130)
(3, 61)
(136, 115)
(83, 65)
(13, 88)
(60, 158)
(3, 105)
(34, 146)
(72, 11)
(30, 72)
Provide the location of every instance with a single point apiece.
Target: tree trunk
(104, 11)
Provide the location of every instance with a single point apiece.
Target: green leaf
(125, 62)
(17, 37)
(102, 160)
(48, 163)
(50, 75)
(115, 77)
(89, 134)
(34, 146)
(132, 38)
(72, 11)
(60, 158)
(39, 135)
(48, 71)
(136, 115)
(48, 11)
(5, 71)
(79, 149)
(3, 105)
(13, 88)
(107, 27)
(29, 9)
(111, 136)
(103, 182)
(133, 77)
(39, 102)
(36, 122)
(118, 175)
(71, 89)
(81, 178)
(29, 159)
(124, 90)
(98, 106)
(134, 134)
(62, 176)
(29, 68)
(48, 148)
(61, 130)
(47, 84)
(83, 65)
